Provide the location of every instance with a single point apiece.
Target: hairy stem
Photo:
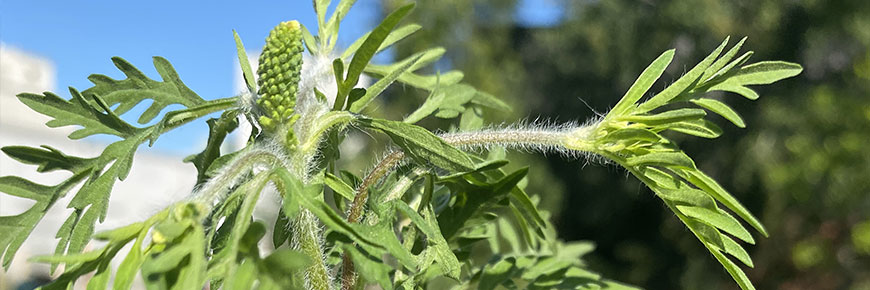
(215, 190)
(564, 140)
(307, 234)
(307, 239)
(362, 193)
(507, 138)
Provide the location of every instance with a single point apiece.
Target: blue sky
(80, 37)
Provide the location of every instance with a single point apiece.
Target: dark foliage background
(801, 165)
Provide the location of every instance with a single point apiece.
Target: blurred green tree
(802, 163)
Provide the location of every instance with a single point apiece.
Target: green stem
(362, 193)
(563, 140)
(307, 235)
(307, 238)
(214, 191)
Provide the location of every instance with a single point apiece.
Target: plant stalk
(565, 140)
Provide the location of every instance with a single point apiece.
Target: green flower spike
(278, 72)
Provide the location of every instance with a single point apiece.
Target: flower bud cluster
(278, 72)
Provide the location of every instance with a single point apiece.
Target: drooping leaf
(719, 220)
(218, 130)
(712, 187)
(421, 145)
(722, 109)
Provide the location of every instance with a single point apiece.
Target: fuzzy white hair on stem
(257, 158)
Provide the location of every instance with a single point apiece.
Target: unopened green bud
(278, 72)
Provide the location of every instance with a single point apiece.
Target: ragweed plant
(438, 210)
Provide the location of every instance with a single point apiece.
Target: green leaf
(181, 265)
(247, 73)
(428, 82)
(281, 231)
(367, 50)
(378, 87)
(495, 274)
(421, 145)
(338, 71)
(734, 271)
(436, 243)
(94, 115)
(666, 117)
(476, 198)
(720, 64)
(310, 41)
(682, 84)
(339, 186)
(763, 73)
(355, 95)
(135, 257)
(283, 264)
(218, 130)
(174, 119)
(718, 219)
(16, 228)
(320, 7)
(381, 229)
(687, 195)
(667, 159)
(125, 233)
(490, 101)
(456, 96)
(729, 70)
(335, 19)
(722, 109)
(737, 89)
(713, 188)
(432, 103)
(646, 79)
(96, 260)
(47, 158)
(137, 87)
(632, 134)
(371, 268)
(395, 35)
(448, 98)
(243, 277)
(734, 249)
(426, 57)
(700, 128)
(295, 193)
(78, 111)
(249, 193)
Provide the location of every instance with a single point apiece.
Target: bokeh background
(802, 164)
